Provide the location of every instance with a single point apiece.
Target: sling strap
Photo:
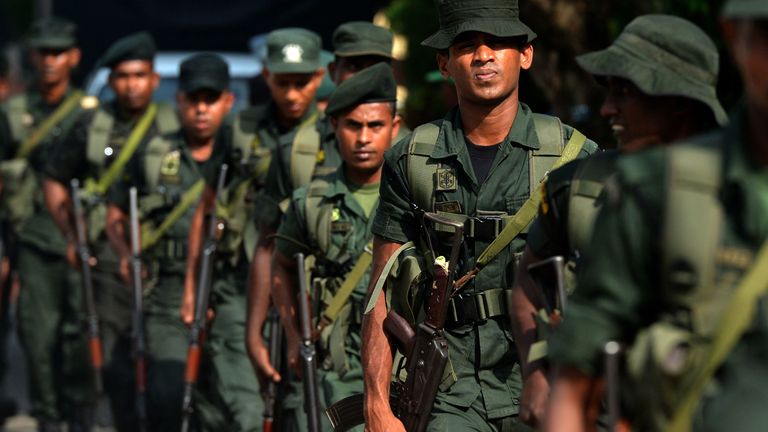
(735, 321)
(383, 276)
(304, 151)
(524, 216)
(34, 139)
(190, 197)
(100, 186)
(339, 299)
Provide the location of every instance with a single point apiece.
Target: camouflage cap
(293, 50)
(663, 55)
(359, 38)
(373, 84)
(52, 33)
(746, 9)
(138, 46)
(495, 17)
(203, 71)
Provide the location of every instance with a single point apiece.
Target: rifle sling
(339, 299)
(734, 322)
(190, 197)
(66, 107)
(100, 186)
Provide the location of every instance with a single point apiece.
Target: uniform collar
(338, 186)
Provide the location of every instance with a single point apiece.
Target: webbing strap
(66, 107)
(100, 186)
(304, 151)
(384, 275)
(191, 196)
(339, 299)
(735, 320)
(527, 212)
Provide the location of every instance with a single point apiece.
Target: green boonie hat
(138, 46)
(360, 38)
(293, 50)
(373, 84)
(663, 55)
(495, 17)
(327, 86)
(52, 33)
(203, 71)
(746, 9)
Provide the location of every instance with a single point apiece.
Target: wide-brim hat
(663, 55)
(757, 9)
(52, 33)
(499, 18)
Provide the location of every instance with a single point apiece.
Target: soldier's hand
(71, 255)
(533, 401)
(124, 270)
(383, 421)
(187, 309)
(259, 354)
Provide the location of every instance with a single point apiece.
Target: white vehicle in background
(243, 67)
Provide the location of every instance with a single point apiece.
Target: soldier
(650, 101)
(678, 274)
(167, 173)
(357, 45)
(49, 302)
(96, 152)
(330, 219)
(481, 164)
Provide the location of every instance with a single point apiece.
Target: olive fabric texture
(137, 46)
(52, 33)
(293, 50)
(374, 84)
(360, 38)
(746, 9)
(203, 71)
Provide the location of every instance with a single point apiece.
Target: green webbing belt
(339, 300)
(527, 212)
(191, 196)
(735, 320)
(100, 186)
(66, 107)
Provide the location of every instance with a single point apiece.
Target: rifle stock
(202, 295)
(308, 352)
(139, 340)
(84, 256)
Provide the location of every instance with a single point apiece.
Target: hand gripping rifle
(275, 355)
(426, 350)
(307, 352)
(84, 256)
(139, 341)
(197, 329)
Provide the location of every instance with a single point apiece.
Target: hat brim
(363, 53)
(298, 68)
(51, 43)
(202, 84)
(652, 78)
(757, 9)
(443, 38)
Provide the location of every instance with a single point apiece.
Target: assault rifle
(202, 295)
(84, 256)
(307, 352)
(139, 341)
(425, 349)
(275, 355)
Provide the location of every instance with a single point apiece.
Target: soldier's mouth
(485, 75)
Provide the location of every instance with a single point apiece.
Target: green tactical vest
(699, 276)
(305, 153)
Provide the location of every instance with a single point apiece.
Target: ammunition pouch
(465, 309)
(332, 341)
(19, 184)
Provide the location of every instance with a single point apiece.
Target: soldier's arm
(117, 220)
(258, 304)
(284, 293)
(59, 204)
(377, 352)
(194, 246)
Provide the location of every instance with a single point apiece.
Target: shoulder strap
(101, 185)
(377, 289)
(352, 278)
(419, 171)
(549, 130)
(157, 148)
(166, 119)
(67, 106)
(306, 145)
(98, 136)
(17, 108)
(693, 214)
(318, 215)
(586, 187)
(190, 197)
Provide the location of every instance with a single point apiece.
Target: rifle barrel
(307, 351)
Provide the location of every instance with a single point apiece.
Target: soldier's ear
(526, 57)
(442, 63)
(73, 57)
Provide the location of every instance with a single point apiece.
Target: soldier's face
(343, 68)
(485, 68)
(364, 134)
(748, 43)
(638, 120)
(293, 94)
(54, 65)
(133, 82)
(203, 111)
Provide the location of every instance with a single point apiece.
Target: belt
(482, 227)
(472, 308)
(170, 249)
